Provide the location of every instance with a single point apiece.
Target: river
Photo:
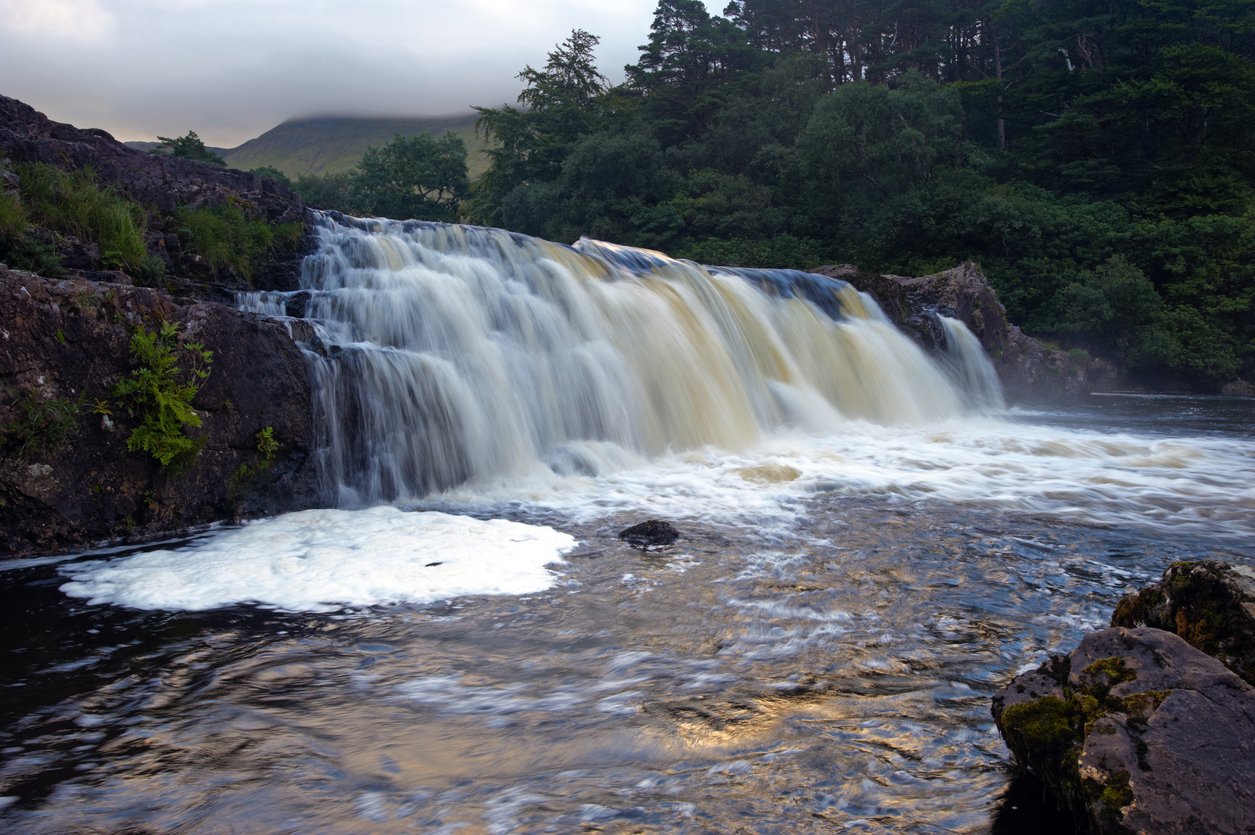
(816, 653)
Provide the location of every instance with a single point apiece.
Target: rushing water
(864, 561)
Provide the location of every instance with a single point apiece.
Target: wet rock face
(1208, 603)
(1137, 731)
(1029, 370)
(66, 477)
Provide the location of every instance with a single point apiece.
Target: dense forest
(1096, 157)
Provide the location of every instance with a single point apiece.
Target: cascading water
(970, 366)
(457, 353)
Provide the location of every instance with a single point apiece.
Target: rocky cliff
(1029, 370)
(71, 473)
(162, 185)
(67, 477)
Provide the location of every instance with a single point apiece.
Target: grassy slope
(336, 143)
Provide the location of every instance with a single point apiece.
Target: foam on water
(1201, 483)
(323, 560)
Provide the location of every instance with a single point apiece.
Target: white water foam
(1205, 484)
(325, 560)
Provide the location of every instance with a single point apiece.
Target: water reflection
(837, 679)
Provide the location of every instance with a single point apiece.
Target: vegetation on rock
(229, 240)
(188, 146)
(159, 392)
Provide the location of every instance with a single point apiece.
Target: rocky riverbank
(1138, 729)
(222, 396)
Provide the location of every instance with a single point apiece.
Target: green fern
(160, 392)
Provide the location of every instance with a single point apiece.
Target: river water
(870, 546)
(816, 653)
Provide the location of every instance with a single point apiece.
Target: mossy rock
(1210, 604)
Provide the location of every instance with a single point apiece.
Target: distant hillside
(326, 144)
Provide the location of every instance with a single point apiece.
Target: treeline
(1097, 158)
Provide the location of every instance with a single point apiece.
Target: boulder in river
(1137, 731)
(1208, 603)
(651, 534)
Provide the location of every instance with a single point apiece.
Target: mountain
(326, 144)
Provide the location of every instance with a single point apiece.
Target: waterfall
(969, 365)
(453, 353)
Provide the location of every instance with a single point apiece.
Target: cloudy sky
(231, 69)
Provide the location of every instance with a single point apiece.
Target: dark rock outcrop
(1027, 369)
(1137, 731)
(66, 476)
(1208, 603)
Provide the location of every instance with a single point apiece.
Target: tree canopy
(1097, 158)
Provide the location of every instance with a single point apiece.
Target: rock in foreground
(1137, 731)
(651, 534)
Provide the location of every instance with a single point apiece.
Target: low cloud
(230, 69)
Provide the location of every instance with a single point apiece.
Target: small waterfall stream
(455, 353)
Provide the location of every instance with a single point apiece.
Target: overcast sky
(232, 69)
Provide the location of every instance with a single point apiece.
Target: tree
(188, 146)
(563, 103)
(414, 176)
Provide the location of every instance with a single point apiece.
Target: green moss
(1113, 668)
(1046, 724)
(1118, 793)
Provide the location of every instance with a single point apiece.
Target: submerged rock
(1208, 603)
(1137, 731)
(651, 534)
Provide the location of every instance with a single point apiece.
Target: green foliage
(13, 222)
(414, 177)
(1098, 159)
(267, 446)
(322, 145)
(42, 424)
(73, 203)
(228, 239)
(270, 172)
(188, 146)
(160, 390)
